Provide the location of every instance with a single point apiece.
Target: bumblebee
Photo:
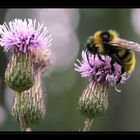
(120, 50)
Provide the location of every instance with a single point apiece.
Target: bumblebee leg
(88, 59)
(112, 64)
(117, 60)
(99, 56)
(122, 70)
(119, 80)
(120, 63)
(115, 57)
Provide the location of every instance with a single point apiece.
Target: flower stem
(88, 124)
(28, 129)
(21, 116)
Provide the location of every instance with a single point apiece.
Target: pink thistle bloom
(25, 35)
(99, 70)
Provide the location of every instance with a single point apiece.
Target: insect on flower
(120, 50)
(100, 71)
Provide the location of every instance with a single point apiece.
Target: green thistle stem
(88, 124)
(21, 116)
(29, 107)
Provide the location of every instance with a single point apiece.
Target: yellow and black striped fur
(120, 50)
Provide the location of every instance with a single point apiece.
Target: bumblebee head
(90, 45)
(95, 42)
(104, 36)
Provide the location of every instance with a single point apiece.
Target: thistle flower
(98, 70)
(30, 44)
(24, 35)
(94, 100)
(31, 104)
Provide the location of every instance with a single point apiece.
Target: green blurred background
(64, 85)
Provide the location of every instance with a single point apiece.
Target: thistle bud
(31, 104)
(41, 58)
(94, 101)
(19, 74)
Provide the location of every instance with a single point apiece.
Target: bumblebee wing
(127, 44)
